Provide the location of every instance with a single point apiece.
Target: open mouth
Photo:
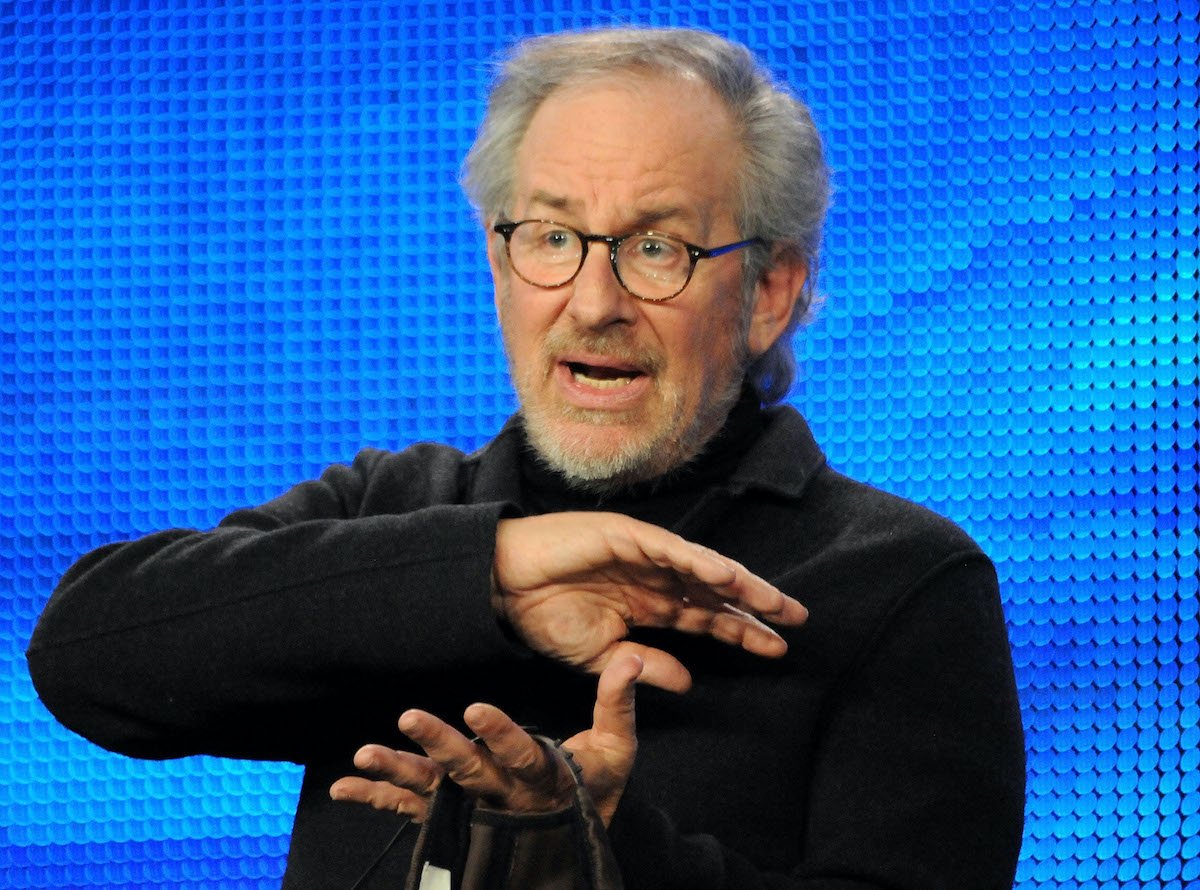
(602, 376)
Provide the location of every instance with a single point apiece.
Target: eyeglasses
(652, 266)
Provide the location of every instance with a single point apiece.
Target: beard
(663, 436)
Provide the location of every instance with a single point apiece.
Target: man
(652, 207)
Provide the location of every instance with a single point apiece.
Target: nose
(597, 298)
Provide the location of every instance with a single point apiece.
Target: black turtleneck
(661, 501)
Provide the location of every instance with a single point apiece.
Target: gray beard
(635, 462)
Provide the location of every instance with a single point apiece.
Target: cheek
(705, 356)
(525, 320)
(716, 333)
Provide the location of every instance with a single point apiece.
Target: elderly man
(652, 206)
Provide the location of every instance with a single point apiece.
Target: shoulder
(440, 472)
(861, 516)
(794, 495)
(424, 459)
(876, 558)
(420, 475)
(852, 552)
(874, 552)
(378, 482)
(875, 570)
(375, 482)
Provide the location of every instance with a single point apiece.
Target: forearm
(250, 642)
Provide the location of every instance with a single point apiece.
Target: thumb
(614, 713)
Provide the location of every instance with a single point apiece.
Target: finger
(756, 637)
(724, 577)
(772, 604)
(641, 542)
(381, 795)
(733, 627)
(401, 768)
(511, 746)
(748, 596)
(429, 731)
(756, 595)
(464, 761)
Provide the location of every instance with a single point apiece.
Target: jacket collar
(783, 460)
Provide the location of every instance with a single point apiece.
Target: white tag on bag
(434, 878)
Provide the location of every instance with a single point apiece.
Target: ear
(495, 254)
(775, 296)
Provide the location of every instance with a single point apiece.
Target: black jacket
(884, 750)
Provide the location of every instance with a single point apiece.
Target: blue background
(232, 251)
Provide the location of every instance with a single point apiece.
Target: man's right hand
(573, 584)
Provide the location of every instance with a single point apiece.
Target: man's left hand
(507, 768)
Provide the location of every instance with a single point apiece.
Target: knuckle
(381, 797)
(527, 760)
(468, 771)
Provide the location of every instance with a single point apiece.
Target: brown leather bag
(466, 846)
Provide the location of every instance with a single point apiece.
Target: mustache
(614, 343)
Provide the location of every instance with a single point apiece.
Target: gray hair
(783, 184)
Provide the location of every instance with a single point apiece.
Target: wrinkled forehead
(627, 148)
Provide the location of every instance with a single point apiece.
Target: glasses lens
(652, 266)
(544, 253)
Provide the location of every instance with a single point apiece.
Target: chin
(596, 455)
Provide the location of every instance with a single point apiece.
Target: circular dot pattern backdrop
(233, 251)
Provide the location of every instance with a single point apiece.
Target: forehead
(628, 149)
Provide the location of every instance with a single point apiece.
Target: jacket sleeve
(918, 776)
(284, 629)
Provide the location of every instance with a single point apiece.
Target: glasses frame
(614, 242)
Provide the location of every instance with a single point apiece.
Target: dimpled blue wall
(232, 251)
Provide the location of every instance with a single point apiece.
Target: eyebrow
(645, 219)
